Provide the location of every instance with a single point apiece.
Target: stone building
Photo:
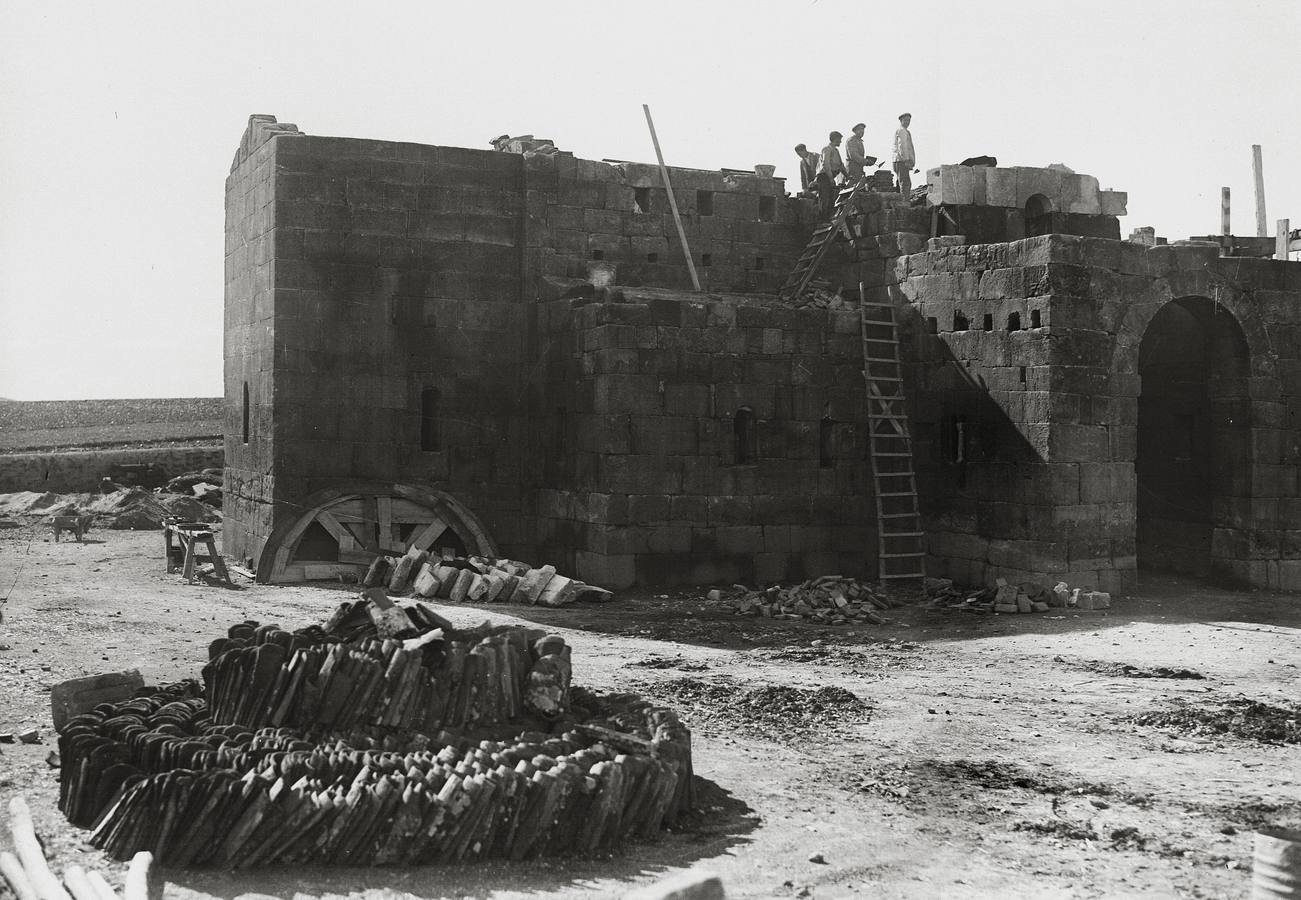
(498, 351)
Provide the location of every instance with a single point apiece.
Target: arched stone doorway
(344, 529)
(1194, 435)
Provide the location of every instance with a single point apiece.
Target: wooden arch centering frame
(367, 521)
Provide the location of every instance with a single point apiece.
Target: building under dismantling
(500, 352)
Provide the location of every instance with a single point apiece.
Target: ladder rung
(902, 534)
(882, 359)
(902, 555)
(878, 305)
(883, 576)
(906, 515)
(909, 474)
(897, 494)
(891, 453)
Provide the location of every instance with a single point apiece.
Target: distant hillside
(76, 424)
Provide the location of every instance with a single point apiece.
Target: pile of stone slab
(478, 579)
(829, 599)
(1002, 597)
(337, 745)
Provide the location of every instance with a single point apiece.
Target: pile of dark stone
(350, 744)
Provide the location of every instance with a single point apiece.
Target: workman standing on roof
(855, 156)
(904, 155)
(808, 167)
(829, 167)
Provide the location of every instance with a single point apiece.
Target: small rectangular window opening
(641, 199)
(706, 259)
(1023, 374)
(989, 321)
(429, 419)
(960, 322)
(932, 325)
(652, 257)
(598, 254)
(1035, 321)
(758, 262)
(767, 209)
(705, 203)
(246, 412)
(1014, 321)
(826, 438)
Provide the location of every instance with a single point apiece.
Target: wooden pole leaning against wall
(1258, 168)
(1282, 239)
(1225, 229)
(673, 202)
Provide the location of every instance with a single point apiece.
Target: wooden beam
(1258, 168)
(673, 201)
(429, 534)
(1224, 212)
(1281, 242)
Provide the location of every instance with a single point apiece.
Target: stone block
(81, 695)
(1031, 181)
(1000, 187)
(950, 185)
(683, 886)
(1113, 203)
(1080, 195)
(1094, 600)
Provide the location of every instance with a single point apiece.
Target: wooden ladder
(819, 242)
(898, 525)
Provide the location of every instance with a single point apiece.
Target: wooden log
(17, 878)
(103, 889)
(139, 875)
(29, 853)
(74, 878)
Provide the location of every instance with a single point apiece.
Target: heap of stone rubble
(829, 599)
(351, 744)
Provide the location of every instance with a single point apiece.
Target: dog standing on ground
(76, 523)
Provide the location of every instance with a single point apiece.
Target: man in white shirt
(904, 155)
(829, 167)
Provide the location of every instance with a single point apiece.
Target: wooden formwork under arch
(368, 522)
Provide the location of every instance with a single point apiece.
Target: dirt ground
(945, 754)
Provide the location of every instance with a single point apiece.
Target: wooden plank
(426, 537)
(337, 531)
(673, 203)
(1281, 239)
(1258, 169)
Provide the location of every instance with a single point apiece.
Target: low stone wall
(65, 473)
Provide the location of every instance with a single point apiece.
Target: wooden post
(1281, 238)
(1224, 212)
(673, 202)
(1262, 230)
(28, 850)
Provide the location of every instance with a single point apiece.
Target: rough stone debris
(1001, 597)
(828, 599)
(331, 745)
(480, 579)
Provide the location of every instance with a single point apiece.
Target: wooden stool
(192, 537)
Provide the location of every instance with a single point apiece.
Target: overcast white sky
(120, 121)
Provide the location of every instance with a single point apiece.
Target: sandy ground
(944, 754)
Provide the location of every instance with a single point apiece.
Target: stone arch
(364, 520)
(1193, 447)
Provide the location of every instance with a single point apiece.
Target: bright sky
(120, 121)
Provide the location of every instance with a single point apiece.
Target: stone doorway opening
(1193, 463)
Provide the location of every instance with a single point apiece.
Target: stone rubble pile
(1026, 597)
(829, 599)
(478, 580)
(334, 745)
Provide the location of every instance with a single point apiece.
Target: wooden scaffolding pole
(673, 202)
(1258, 167)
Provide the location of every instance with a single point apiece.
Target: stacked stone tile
(330, 745)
